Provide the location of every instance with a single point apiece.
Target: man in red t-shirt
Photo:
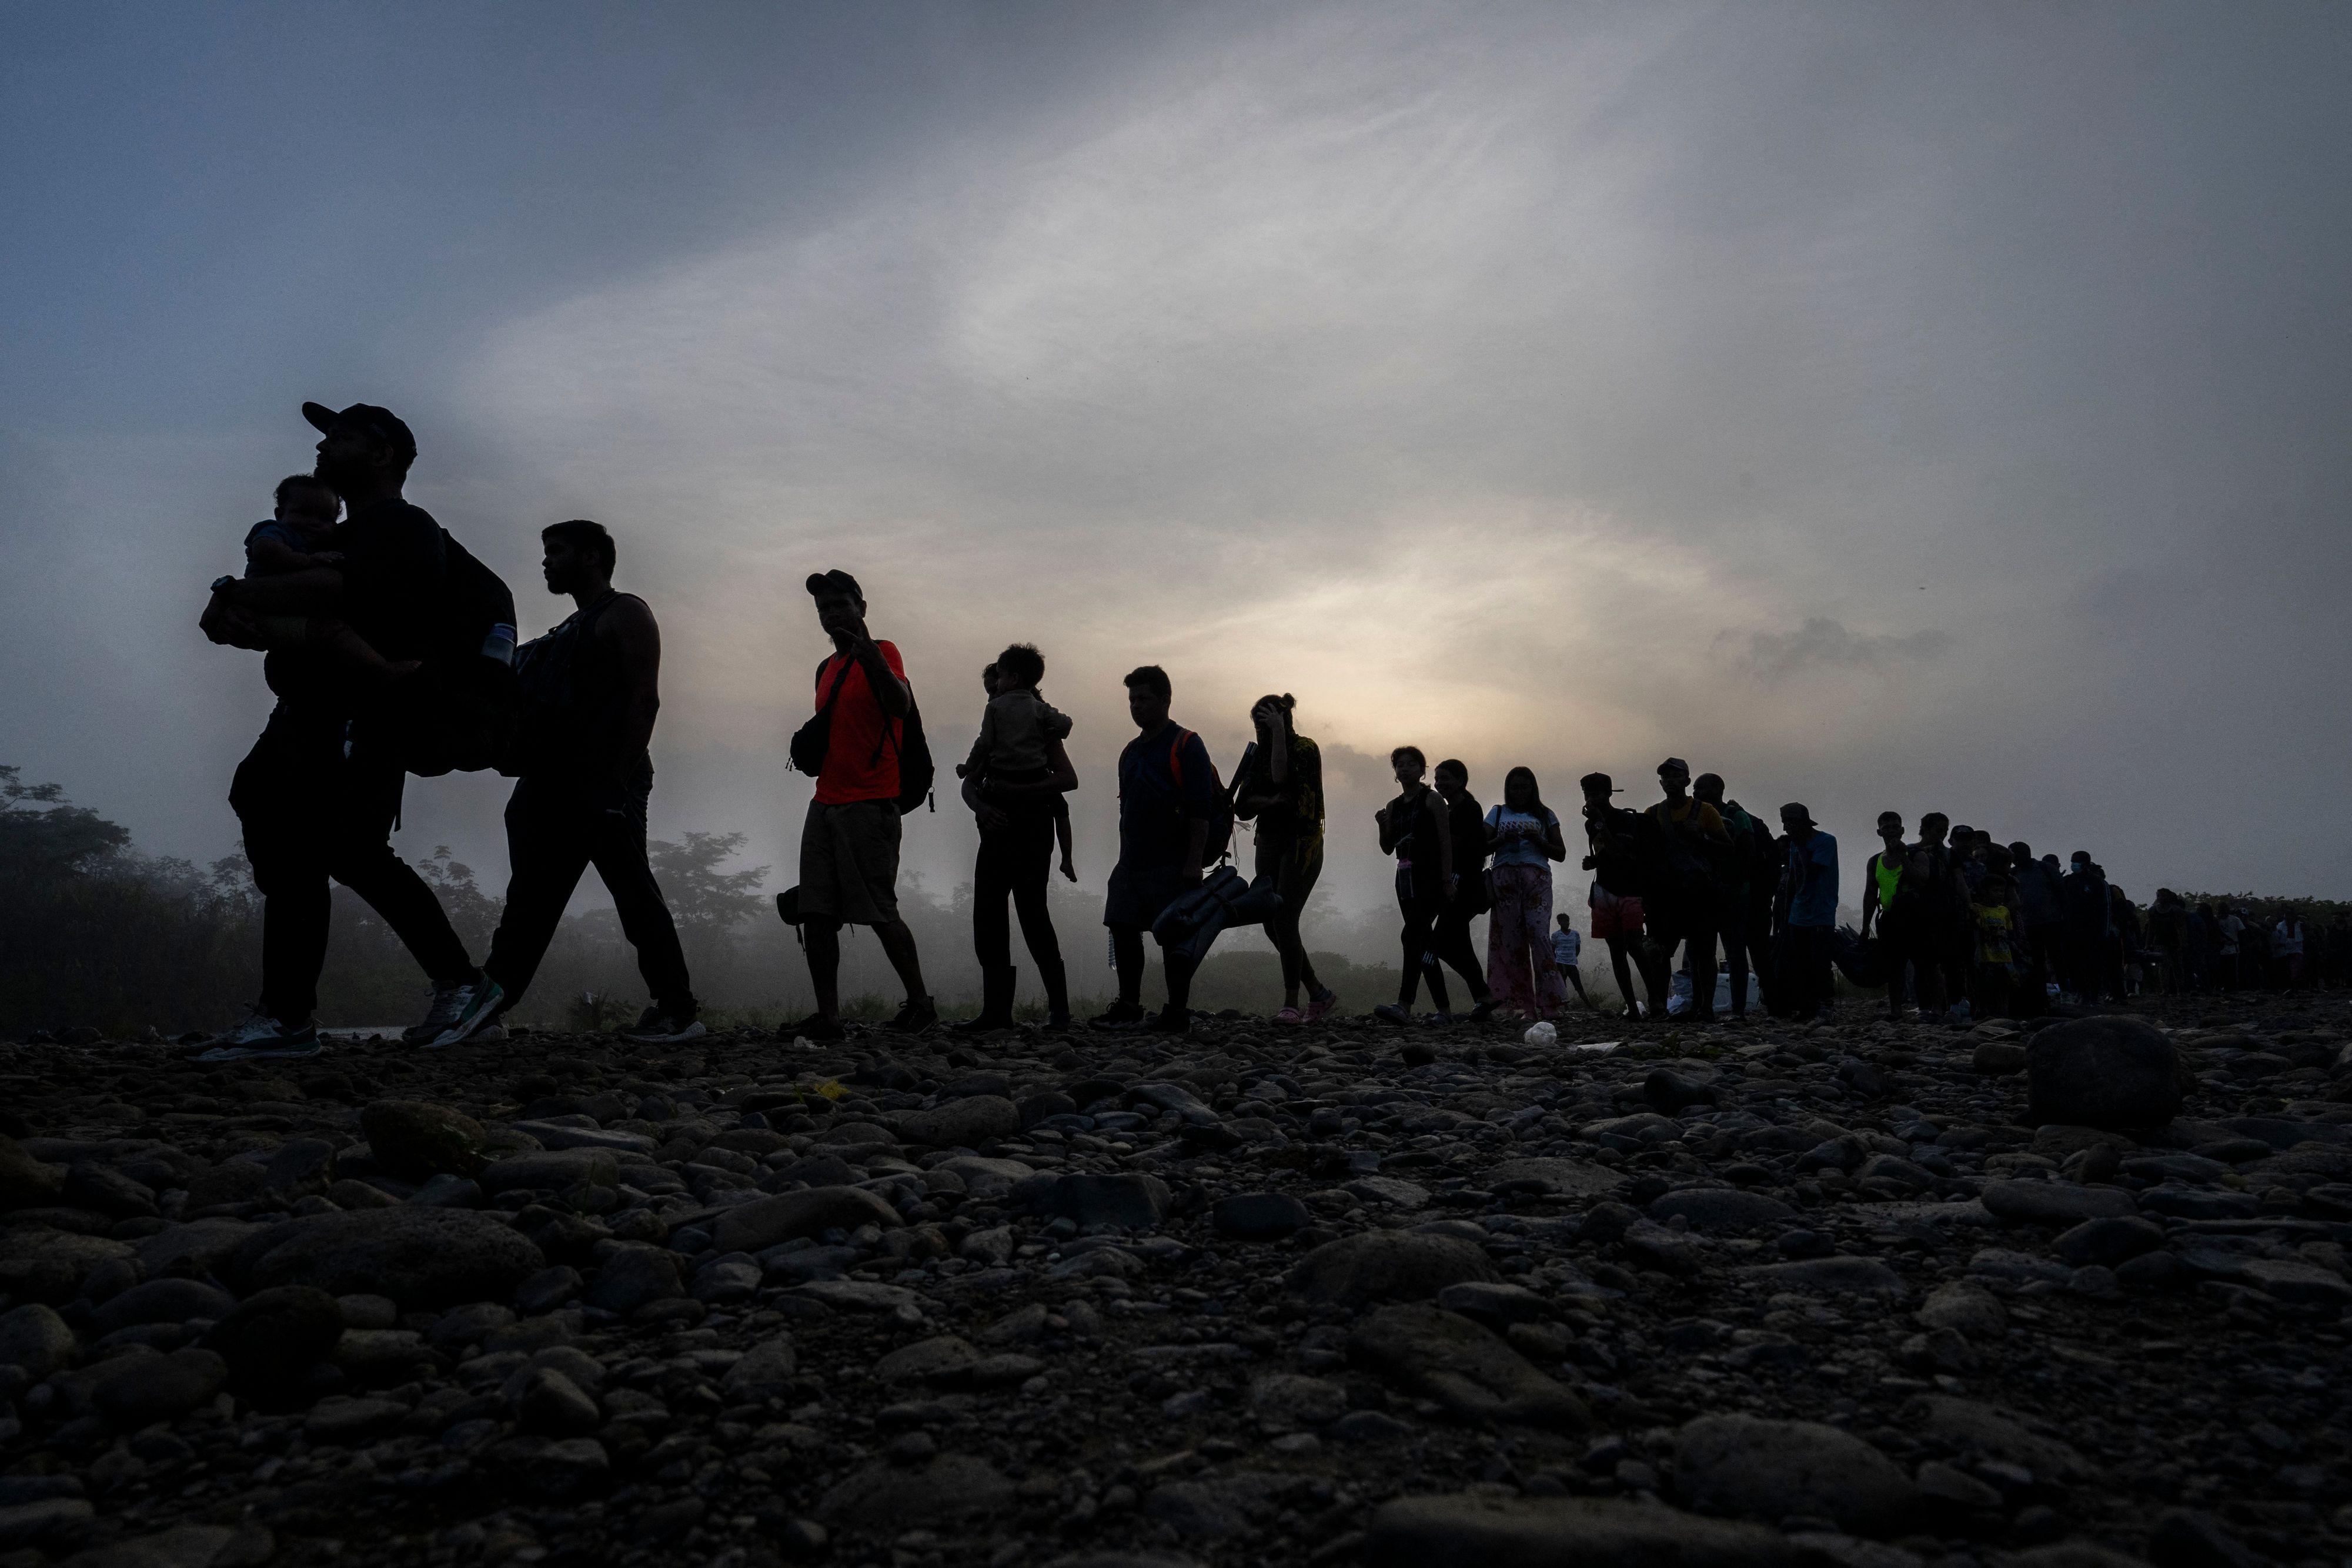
(849, 845)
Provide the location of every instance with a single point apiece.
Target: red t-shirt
(852, 771)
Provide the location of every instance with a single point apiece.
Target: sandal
(1320, 1005)
(1289, 1015)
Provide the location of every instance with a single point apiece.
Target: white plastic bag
(1542, 1035)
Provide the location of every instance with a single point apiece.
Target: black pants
(554, 833)
(1731, 917)
(1805, 969)
(1015, 862)
(1908, 943)
(1686, 922)
(311, 814)
(1450, 944)
(1421, 906)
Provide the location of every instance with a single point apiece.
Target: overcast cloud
(1927, 407)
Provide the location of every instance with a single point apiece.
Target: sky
(1933, 407)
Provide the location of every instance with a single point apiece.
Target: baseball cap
(381, 422)
(834, 581)
(1599, 782)
(1673, 764)
(1792, 812)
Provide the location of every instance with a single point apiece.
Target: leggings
(1294, 872)
(1449, 941)
(1421, 907)
(1016, 860)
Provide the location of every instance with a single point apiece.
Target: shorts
(1615, 916)
(849, 862)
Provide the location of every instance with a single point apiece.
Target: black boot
(995, 1002)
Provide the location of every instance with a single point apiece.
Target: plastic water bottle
(499, 645)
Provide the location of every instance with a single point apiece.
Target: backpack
(1220, 841)
(546, 672)
(916, 770)
(460, 713)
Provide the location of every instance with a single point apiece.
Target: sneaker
(1289, 1015)
(446, 1005)
(1483, 1011)
(658, 1027)
(261, 1037)
(1121, 1016)
(478, 1008)
(1393, 1012)
(1172, 1019)
(816, 1027)
(914, 1018)
(1442, 1018)
(1319, 1005)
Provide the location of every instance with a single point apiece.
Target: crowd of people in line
(392, 650)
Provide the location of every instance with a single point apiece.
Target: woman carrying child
(1525, 837)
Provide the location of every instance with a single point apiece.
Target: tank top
(1890, 879)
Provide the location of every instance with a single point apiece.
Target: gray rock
(765, 1372)
(1480, 1531)
(1998, 1058)
(1770, 1469)
(36, 1340)
(300, 1165)
(553, 1404)
(2189, 1538)
(273, 1336)
(415, 1139)
(1496, 1306)
(1977, 1429)
(1828, 1277)
(1653, 1246)
(172, 1301)
(555, 1468)
(550, 1135)
(343, 1420)
(886, 1497)
(1560, 1176)
(2054, 1202)
(2107, 1071)
(53, 1521)
(1259, 1216)
(184, 1546)
(1215, 1509)
(1288, 1401)
(26, 1182)
(201, 1245)
(1131, 1200)
(89, 1185)
(1669, 1091)
(632, 1274)
(547, 1289)
(2109, 1241)
(140, 1389)
(1964, 1309)
(552, 1170)
(1387, 1265)
(1722, 1210)
(765, 1221)
(943, 1358)
(967, 1123)
(1444, 1356)
(418, 1257)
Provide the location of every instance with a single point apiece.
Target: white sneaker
(260, 1037)
(477, 1012)
(659, 1028)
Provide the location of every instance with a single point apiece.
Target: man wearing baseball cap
(1813, 892)
(318, 795)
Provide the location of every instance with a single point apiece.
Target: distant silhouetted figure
(1281, 792)
(1744, 861)
(1469, 898)
(1169, 795)
(2090, 926)
(1811, 899)
(1414, 828)
(849, 843)
(1523, 834)
(1613, 842)
(318, 795)
(591, 688)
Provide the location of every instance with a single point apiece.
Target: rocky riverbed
(1867, 1294)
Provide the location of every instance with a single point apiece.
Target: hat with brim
(381, 422)
(1792, 812)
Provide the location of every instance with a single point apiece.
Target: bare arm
(1555, 845)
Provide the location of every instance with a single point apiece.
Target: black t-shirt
(395, 579)
(1467, 820)
(1615, 835)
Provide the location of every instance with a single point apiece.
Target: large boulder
(765, 1221)
(417, 1139)
(1387, 1265)
(36, 1340)
(1769, 1469)
(417, 1257)
(2104, 1071)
